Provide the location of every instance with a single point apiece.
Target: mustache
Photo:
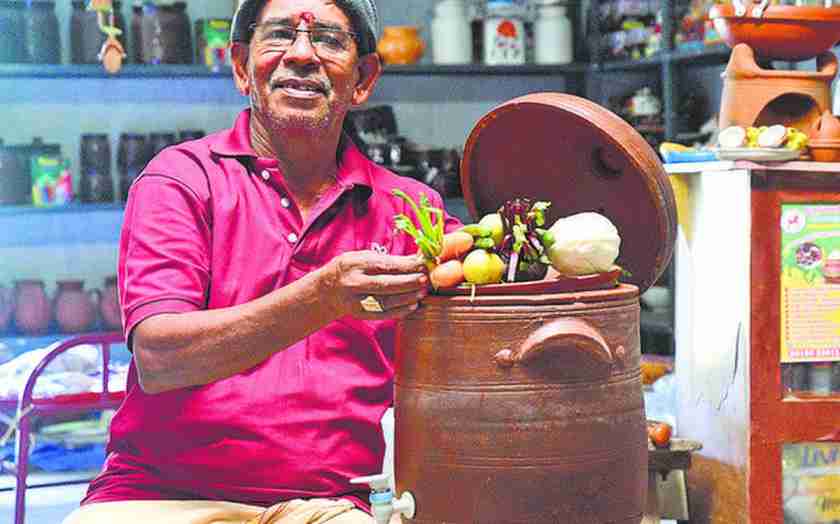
(322, 84)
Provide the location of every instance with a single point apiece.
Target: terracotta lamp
(754, 94)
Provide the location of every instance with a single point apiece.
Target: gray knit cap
(362, 15)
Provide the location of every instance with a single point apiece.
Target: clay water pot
(75, 308)
(109, 305)
(401, 44)
(524, 403)
(7, 307)
(33, 310)
(826, 128)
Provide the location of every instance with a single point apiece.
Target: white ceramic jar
(504, 33)
(553, 35)
(451, 33)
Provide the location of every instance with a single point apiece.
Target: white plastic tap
(382, 502)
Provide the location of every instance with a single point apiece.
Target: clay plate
(558, 284)
(758, 154)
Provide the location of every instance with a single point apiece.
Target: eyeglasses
(328, 42)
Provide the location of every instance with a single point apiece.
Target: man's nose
(301, 50)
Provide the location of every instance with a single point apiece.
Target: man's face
(307, 86)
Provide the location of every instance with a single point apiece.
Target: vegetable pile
(511, 245)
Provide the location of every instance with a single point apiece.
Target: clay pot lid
(581, 157)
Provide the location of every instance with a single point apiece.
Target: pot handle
(560, 335)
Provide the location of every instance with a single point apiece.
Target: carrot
(455, 245)
(447, 274)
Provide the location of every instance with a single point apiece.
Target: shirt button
(265, 175)
(284, 202)
(292, 238)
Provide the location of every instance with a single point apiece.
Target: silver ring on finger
(371, 304)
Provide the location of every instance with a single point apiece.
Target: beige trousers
(315, 511)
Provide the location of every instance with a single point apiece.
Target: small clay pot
(401, 45)
(109, 305)
(826, 128)
(32, 307)
(825, 150)
(75, 309)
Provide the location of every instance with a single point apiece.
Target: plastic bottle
(451, 33)
(504, 34)
(553, 35)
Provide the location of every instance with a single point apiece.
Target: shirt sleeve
(164, 254)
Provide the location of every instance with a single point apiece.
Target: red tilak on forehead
(307, 17)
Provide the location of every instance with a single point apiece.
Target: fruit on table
(796, 139)
(732, 136)
(773, 136)
(659, 434)
(483, 267)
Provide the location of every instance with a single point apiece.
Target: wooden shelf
(710, 55)
(199, 71)
(61, 225)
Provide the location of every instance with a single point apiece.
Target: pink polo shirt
(211, 225)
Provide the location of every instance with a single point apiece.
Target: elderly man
(261, 281)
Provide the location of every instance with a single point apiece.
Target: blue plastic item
(673, 157)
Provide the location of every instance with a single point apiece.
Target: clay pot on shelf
(7, 307)
(401, 44)
(825, 150)
(32, 307)
(109, 305)
(75, 308)
(826, 128)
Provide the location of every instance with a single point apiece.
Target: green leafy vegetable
(429, 237)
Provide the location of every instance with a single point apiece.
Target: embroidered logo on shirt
(379, 248)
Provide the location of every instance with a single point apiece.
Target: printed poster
(811, 482)
(810, 287)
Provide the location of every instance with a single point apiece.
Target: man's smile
(300, 88)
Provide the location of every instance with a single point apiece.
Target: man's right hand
(396, 284)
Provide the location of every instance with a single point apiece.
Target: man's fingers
(387, 284)
(386, 264)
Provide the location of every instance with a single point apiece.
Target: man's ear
(370, 68)
(239, 59)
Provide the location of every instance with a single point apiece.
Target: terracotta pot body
(75, 309)
(522, 408)
(109, 306)
(33, 310)
(401, 45)
(7, 308)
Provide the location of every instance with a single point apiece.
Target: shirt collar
(354, 170)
